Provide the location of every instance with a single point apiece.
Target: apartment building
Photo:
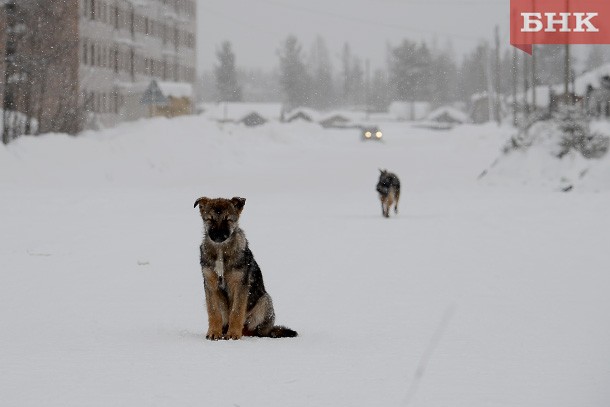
(124, 44)
(76, 63)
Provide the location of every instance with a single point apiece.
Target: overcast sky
(256, 28)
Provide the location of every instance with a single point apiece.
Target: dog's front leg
(238, 301)
(213, 303)
(385, 208)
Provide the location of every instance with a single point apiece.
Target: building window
(93, 97)
(92, 10)
(115, 103)
(85, 51)
(92, 55)
(116, 17)
(115, 60)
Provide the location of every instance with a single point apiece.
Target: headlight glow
(367, 134)
(378, 134)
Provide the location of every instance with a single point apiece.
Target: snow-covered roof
(350, 115)
(176, 89)
(235, 111)
(455, 114)
(591, 78)
(313, 114)
(581, 82)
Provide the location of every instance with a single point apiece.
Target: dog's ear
(238, 203)
(382, 171)
(201, 201)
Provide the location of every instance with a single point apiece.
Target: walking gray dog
(389, 191)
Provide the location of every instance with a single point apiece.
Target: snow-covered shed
(177, 98)
(302, 113)
(449, 115)
(236, 112)
(335, 120)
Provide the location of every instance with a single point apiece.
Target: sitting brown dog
(236, 299)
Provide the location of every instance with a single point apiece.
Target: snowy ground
(475, 295)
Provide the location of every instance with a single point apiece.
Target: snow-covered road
(475, 295)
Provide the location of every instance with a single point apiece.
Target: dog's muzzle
(219, 235)
(383, 189)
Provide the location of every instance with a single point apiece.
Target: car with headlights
(370, 133)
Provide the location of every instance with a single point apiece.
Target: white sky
(257, 27)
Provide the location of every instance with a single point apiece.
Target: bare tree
(11, 74)
(41, 68)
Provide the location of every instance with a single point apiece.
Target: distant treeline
(411, 72)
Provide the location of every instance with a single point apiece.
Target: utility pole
(526, 109)
(514, 86)
(567, 69)
(367, 92)
(566, 75)
(490, 88)
(497, 75)
(534, 105)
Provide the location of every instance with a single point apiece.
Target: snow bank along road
(474, 295)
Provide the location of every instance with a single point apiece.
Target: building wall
(125, 44)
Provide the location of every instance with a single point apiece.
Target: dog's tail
(282, 332)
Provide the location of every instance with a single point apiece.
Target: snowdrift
(471, 296)
(536, 163)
